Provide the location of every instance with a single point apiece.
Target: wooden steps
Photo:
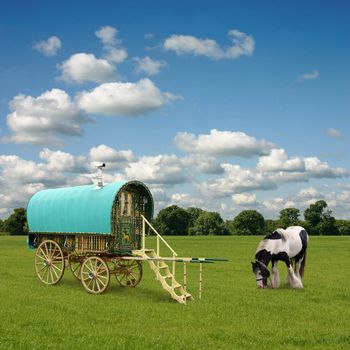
(164, 275)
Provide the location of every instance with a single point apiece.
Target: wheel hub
(92, 275)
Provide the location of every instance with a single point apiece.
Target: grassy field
(233, 313)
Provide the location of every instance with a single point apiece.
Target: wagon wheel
(75, 263)
(94, 275)
(129, 273)
(49, 262)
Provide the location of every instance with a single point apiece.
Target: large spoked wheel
(49, 262)
(94, 275)
(75, 263)
(129, 273)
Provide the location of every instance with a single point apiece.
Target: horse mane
(277, 234)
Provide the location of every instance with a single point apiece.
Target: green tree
(271, 225)
(194, 213)
(249, 222)
(343, 226)
(172, 220)
(208, 223)
(16, 223)
(1, 225)
(319, 219)
(289, 217)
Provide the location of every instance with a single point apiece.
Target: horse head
(261, 273)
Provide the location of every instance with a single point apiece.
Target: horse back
(298, 239)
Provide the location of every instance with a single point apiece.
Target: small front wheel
(75, 263)
(129, 273)
(94, 275)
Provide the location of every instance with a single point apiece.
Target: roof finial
(99, 175)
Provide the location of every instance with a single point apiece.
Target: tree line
(173, 220)
(318, 220)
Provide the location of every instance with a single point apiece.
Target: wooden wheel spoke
(98, 267)
(56, 267)
(44, 267)
(54, 271)
(129, 274)
(50, 254)
(43, 253)
(98, 284)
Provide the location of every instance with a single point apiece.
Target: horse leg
(298, 265)
(292, 279)
(275, 278)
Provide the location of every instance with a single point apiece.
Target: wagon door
(128, 220)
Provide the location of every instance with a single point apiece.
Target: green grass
(233, 313)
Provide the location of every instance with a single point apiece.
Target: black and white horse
(287, 245)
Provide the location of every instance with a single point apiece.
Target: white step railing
(159, 239)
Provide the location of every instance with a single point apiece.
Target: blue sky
(226, 105)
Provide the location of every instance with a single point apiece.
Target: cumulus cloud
(235, 180)
(83, 67)
(244, 199)
(222, 143)
(318, 169)
(186, 200)
(162, 169)
(334, 133)
(63, 161)
(202, 164)
(124, 99)
(242, 45)
(113, 158)
(14, 168)
(48, 47)
(278, 160)
(44, 119)
(148, 66)
(309, 192)
(114, 52)
(310, 76)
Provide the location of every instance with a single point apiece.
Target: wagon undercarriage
(93, 270)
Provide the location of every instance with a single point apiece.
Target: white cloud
(186, 200)
(310, 76)
(63, 162)
(274, 205)
(203, 164)
(222, 143)
(318, 169)
(236, 180)
(278, 160)
(107, 34)
(14, 168)
(83, 67)
(243, 44)
(162, 169)
(114, 52)
(334, 133)
(148, 66)
(43, 119)
(49, 47)
(124, 99)
(244, 199)
(309, 192)
(113, 158)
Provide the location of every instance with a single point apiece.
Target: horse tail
(304, 241)
(302, 266)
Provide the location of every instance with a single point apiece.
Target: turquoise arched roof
(85, 209)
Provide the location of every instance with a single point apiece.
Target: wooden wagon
(99, 231)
